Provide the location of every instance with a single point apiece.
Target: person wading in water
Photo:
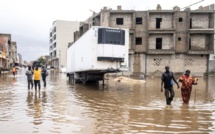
(187, 81)
(167, 79)
(14, 71)
(29, 74)
(37, 77)
(44, 75)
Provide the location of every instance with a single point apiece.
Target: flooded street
(119, 108)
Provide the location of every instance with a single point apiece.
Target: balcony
(160, 51)
(200, 52)
(161, 31)
(205, 31)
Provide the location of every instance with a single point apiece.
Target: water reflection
(37, 108)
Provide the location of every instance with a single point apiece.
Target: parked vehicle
(36, 63)
(98, 51)
(48, 67)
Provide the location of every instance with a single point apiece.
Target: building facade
(181, 39)
(61, 34)
(19, 60)
(8, 51)
(5, 46)
(13, 52)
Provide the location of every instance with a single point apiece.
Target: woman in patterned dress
(187, 81)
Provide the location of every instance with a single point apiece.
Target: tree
(41, 60)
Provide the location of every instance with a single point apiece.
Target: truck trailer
(98, 51)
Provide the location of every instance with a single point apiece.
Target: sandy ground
(127, 80)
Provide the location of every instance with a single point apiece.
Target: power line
(193, 4)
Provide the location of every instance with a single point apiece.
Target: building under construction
(181, 39)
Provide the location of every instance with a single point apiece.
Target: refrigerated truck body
(98, 51)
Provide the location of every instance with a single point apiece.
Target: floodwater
(118, 108)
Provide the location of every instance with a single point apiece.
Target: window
(55, 45)
(139, 20)
(158, 43)
(55, 54)
(119, 21)
(189, 43)
(179, 39)
(158, 21)
(191, 23)
(180, 19)
(54, 30)
(138, 41)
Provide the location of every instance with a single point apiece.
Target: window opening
(139, 20)
(158, 21)
(119, 21)
(138, 41)
(158, 43)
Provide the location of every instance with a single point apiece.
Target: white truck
(98, 51)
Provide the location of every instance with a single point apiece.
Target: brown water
(87, 109)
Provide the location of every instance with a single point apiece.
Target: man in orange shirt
(37, 76)
(14, 71)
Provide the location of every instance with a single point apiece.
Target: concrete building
(181, 39)
(5, 46)
(13, 53)
(19, 59)
(61, 34)
(8, 51)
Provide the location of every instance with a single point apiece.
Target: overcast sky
(29, 21)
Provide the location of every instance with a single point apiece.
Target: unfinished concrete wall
(178, 63)
(137, 64)
(93, 21)
(96, 21)
(200, 21)
(141, 30)
(104, 17)
(156, 63)
(127, 20)
(211, 42)
(167, 41)
(211, 20)
(211, 67)
(199, 42)
(76, 35)
(181, 35)
(166, 23)
(131, 41)
(181, 42)
(196, 63)
(85, 27)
